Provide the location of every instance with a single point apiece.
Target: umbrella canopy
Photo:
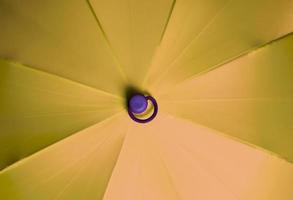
(73, 75)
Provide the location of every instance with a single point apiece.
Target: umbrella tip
(138, 104)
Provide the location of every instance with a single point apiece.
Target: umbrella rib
(56, 114)
(35, 154)
(239, 56)
(118, 63)
(87, 156)
(223, 134)
(219, 180)
(84, 157)
(162, 36)
(117, 160)
(168, 173)
(208, 24)
(70, 182)
(95, 148)
(48, 91)
(72, 132)
(62, 78)
(27, 139)
(168, 20)
(231, 99)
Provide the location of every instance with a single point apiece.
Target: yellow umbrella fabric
(221, 72)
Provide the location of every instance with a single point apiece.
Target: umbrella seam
(60, 77)
(116, 162)
(194, 39)
(162, 36)
(118, 63)
(86, 156)
(234, 138)
(35, 154)
(227, 61)
(168, 173)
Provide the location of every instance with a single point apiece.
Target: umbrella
(154, 99)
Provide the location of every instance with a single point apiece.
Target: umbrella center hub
(138, 105)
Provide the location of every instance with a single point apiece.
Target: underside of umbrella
(220, 72)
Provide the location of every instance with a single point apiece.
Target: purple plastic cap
(138, 103)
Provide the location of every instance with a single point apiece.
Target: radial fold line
(229, 136)
(250, 98)
(240, 56)
(137, 35)
(46, 108)
(76, 167)
(77, 51)
(258, 130)
(163, 34)
(170, 149)
(119, 66)
(168, 19)
(37, 69)
(228, 99)
(19, 162)
(140, 172)
(223, 39)
(194, 39)
(205, 164)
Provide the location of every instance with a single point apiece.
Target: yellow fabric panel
(37, 109)
(60, 37)
(77, 167)
(134, 30)
(250, 98)
(170, 158)
(203, 34)
(140, 172)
